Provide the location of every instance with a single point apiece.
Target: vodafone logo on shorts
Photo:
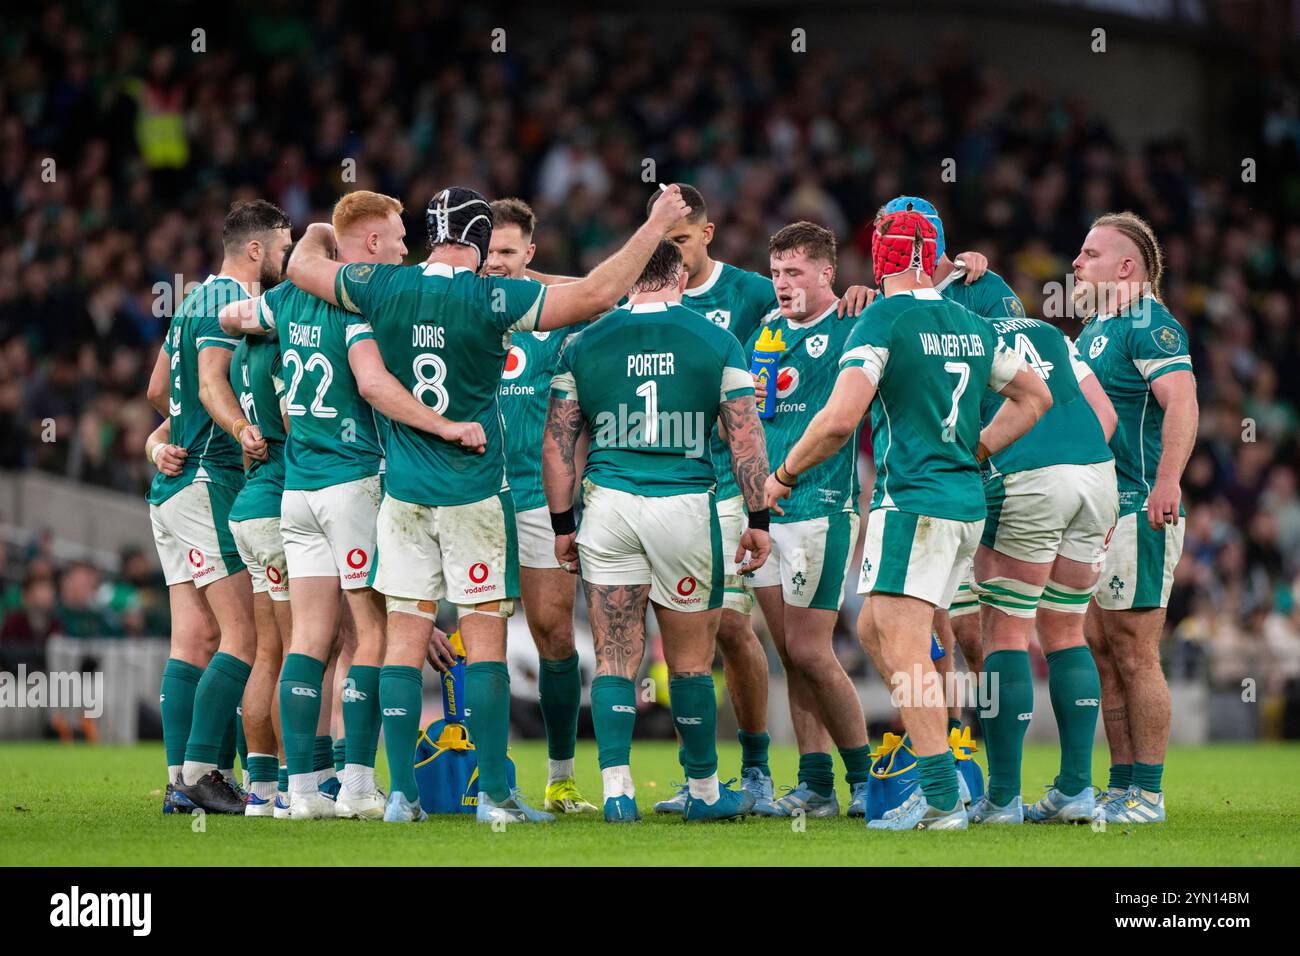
(273, 574)
(196, 557)
(516, 360)
(356, 558)
(685, 588)
(478, 573)
(787, 380)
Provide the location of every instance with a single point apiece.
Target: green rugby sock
(361, 719)
(300, 690)
(218, 694)
(179, 682)
(1121, 776)
(1005, 733)
(322, 753)
(559, 689)
(1146, 776)
(262, 768)
(487, 701)
(857, 764)
(818, 772)
(401, 691)
(938, 775)
(753, 751)
(1076, 698)
(613, 712)
(282, 780)
(695, 712)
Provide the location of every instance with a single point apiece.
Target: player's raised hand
(758, 544)
(855, 299)
(252, 442)
(668, 208)
(440, 654)
(566, 552)
(170, 459)
(773, 491)
(975, 264)
(468, 435)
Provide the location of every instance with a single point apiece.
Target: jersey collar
(931, 294)
(213, 278)
(1124, 311)
(708, 283)
(648, 307)
(808, 324)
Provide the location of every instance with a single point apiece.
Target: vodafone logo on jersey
(787, 380)
(516, 362)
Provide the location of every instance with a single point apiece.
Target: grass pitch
(99, 806)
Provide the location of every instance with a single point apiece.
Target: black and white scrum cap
(460, 214)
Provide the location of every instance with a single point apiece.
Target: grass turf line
(92, 806)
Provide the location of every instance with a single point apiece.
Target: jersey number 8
(430, 372)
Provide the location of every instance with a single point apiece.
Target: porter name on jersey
(650, 363)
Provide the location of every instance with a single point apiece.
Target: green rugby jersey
(212, 454)
(989, 295)
(736, 300)
(649, 379)
(444, 334)
(525, 386)
(806, 372)
(931, 360)
(1128, 352)
(333, 437)
(1069, 433)
(255, 377)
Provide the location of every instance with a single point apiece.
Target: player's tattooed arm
(617, 615)
(744, 435)
(312, 267)
(564, 426)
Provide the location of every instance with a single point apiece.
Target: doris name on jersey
(951, 344)
(428, 336)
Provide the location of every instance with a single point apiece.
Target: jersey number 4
(1025, 349)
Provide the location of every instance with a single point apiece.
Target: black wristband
(563, 522)
(760, 520)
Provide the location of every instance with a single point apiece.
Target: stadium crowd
(150, 143)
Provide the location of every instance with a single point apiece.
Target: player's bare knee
(555, 641)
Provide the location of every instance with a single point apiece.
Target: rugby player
(331, 499)
(255, 376)
(546, 591)
(648, 381)
(1052, 502)
(209, 588)
(920, 354)
(814, 533)
(1140, 354)
(445, 526)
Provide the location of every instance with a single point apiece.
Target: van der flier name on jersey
(951, 344)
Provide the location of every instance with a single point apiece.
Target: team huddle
(349, 441)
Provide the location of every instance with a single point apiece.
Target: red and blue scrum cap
(903, 241)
